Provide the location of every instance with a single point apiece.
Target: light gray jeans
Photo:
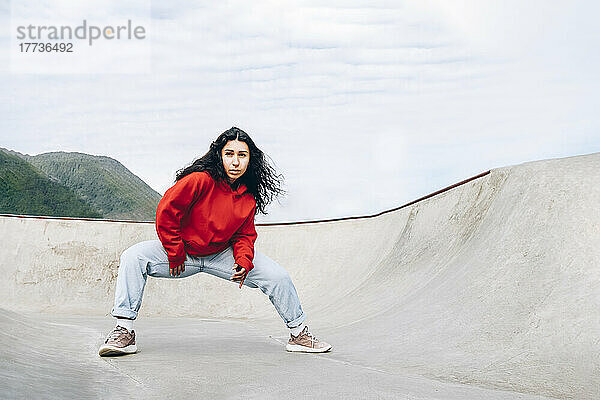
(149, 258)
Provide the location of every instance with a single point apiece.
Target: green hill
(24, 190)
(102, 182)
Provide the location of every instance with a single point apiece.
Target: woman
(205, 223)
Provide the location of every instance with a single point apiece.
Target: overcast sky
(362, 105)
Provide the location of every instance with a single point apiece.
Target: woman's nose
(235, 161)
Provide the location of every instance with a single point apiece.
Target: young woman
(205, 223)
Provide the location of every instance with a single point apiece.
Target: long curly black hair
(260, 178)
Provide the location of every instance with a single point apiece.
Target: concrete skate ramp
(489, 290)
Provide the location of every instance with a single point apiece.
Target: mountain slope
(24, 190)
(101, 181)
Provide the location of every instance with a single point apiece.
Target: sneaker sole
(116, 351)
(303, 349)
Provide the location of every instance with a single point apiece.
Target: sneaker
(119, 341)
(307, 343)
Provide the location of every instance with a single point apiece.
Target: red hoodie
(199, 216)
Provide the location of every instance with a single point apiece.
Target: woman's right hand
(178, 270)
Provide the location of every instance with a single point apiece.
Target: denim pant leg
(272, 279)
(137, 262)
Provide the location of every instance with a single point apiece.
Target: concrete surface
(487, 291)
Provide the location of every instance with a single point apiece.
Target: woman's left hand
(239, 275)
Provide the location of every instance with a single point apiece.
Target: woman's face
(236, 156)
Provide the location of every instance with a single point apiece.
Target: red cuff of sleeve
(176, 262)
(247, 265)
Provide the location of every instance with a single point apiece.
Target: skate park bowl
(488, 290)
